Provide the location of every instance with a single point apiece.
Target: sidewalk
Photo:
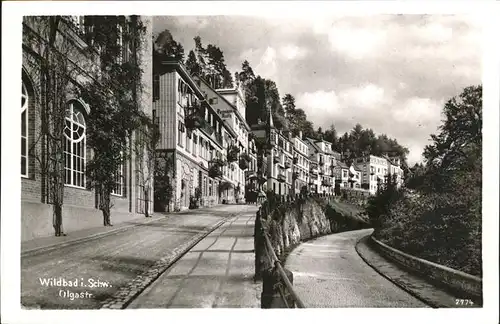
(121, 264)
(418, 287)
(45, 244)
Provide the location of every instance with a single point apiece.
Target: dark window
(156, 87)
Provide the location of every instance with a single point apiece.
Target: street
(101, 266)
(217, 272)
(328, 272)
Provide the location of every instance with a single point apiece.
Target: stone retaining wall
(454, 279)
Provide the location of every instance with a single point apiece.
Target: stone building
(69, 36)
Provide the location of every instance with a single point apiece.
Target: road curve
(328, 272)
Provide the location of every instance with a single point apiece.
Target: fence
(277, 281)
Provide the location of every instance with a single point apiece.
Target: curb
(460, 282)
(55, 246)
(126, 294)
(418, 296)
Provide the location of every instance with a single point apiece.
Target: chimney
(300, 134)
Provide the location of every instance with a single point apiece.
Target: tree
(457, 148)
(115, 101)
(56, 71)
(145, 149)
(209, 64)
(166, 47)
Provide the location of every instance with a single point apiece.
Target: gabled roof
(312, 142)
(342, 165)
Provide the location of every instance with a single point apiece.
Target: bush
(444, 228)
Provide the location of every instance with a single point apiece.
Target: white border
(11, 77)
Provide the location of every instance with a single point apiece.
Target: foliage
(232, 153)
(215, 169)
(114, 98)
(209, 63)
(56, 71)
(382, 202)
(441, 220)
(165, 47)
(164, 174)
(194, 201)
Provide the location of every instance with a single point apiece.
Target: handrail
(277, 263)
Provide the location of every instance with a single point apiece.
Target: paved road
(328, 272)
(113, 260)
(217, 272)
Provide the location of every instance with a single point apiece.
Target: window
(24, 131)
(118, 176)
(74, 146)
(179, 134)
(156, 87)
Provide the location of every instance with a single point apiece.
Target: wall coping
(459, 279)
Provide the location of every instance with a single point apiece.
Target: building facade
(230, 106)
(321, 153)
(301, 164)
(80, 202)
(279, 157)
(193, 137)
(376, 169)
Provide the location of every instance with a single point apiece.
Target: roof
(328, 150)
(312, 142)
(342, 165)
(357, 168)
(225, 100)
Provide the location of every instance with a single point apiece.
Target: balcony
(326, 182)
(232, 153)
(281, 177)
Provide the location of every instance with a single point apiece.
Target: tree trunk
(146, 201)
(105, 205)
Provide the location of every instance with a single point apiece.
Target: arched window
(74, 145)
(24, 131)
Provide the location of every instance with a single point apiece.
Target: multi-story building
(301, 163)
(279, 156)
(376, 169)
(251, 173)
(229, 105)
(194, 138)
(322, 154)
(80, 201)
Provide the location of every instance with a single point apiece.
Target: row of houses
(206, 146)
(295, 162)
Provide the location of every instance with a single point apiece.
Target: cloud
(291, 52)
(391, 73)
(355, 42)
(268, 63)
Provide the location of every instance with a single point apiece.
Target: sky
(391, 73)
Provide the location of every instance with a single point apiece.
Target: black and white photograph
(253, 160)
